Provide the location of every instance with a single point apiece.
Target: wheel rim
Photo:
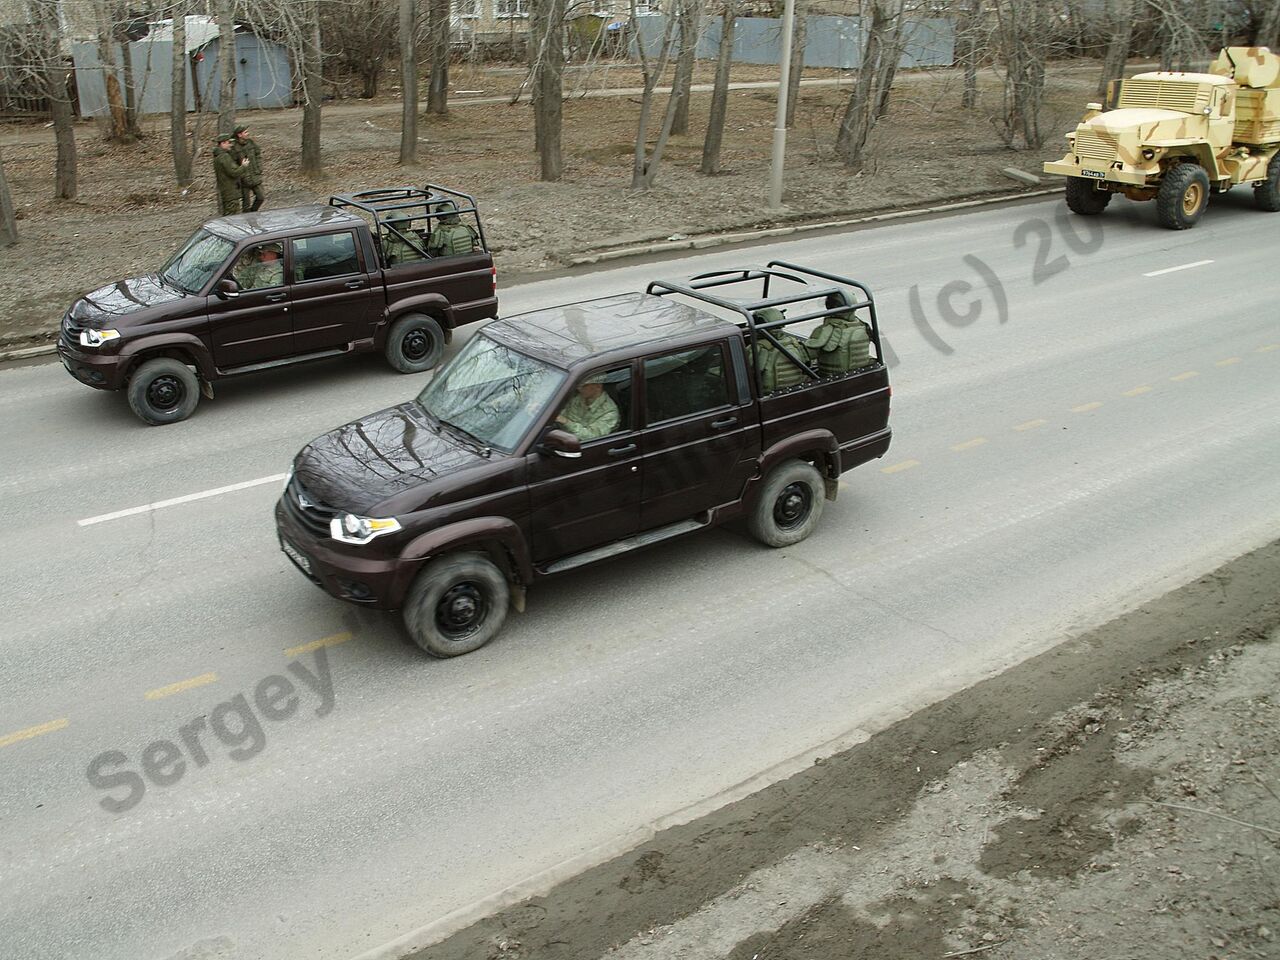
(165, 393)
(416, 344)
(461, 610)
(1192, 198)
(792, 507)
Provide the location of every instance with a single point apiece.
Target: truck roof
(1211, 78)
(241, 225)
(566, 334)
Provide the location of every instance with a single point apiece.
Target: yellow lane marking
(332, 641)
(159, 693)
(1137, 391)
(1268, 348)
(1186, 375)
(969, 444)
(1086, 407)
(1227, 362)
(1030, 425)
(899, 467)
(36, 731)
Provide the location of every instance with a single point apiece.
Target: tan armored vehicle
(1177, 137)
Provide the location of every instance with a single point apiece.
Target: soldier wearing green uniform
(229, 173)
(843, 342)
(451, 236)
(777, 370)
(244, 148)
(590, 413)
(260, 268)
(395, 249)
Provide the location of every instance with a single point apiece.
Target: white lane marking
(1185, 266)
(161, 504)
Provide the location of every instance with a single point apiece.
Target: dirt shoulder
(1114, 797)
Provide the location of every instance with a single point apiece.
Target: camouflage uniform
(776, 369)
(229, 173)
(394, 248)
(842, 343)
(590, 419)
(260, 274)
(251, 182)
(451, 236)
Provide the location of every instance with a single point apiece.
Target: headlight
(1148, 154)
(352, 529)
(96, 338)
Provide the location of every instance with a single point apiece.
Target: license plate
(1096, 174)
(297, 556)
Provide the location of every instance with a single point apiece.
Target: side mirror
(561, 443)
(227, 289)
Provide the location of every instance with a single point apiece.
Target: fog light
(1148, 154)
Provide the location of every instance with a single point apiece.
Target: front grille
(71, 330)
(1094, 146)
(315, 516)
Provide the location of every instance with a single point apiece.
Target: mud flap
(517, 597)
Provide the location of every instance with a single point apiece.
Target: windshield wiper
(480, 445)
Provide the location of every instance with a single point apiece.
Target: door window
(261, 267)
(683, 384)
(325, 255)
(599, 406)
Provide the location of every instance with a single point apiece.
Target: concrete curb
(22, 353)
(721, 239)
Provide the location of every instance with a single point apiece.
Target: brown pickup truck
(572, 434)
(392, 270)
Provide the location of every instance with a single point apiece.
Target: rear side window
(325, 255)
(686, 383)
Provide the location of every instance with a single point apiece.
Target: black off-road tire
(1266, 195)
(163, 390)
(457, 604)
(1183, 196)
(1084, 198)
(415, 343)
(788, 506)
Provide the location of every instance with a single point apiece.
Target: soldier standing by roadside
(246, 149)
(230, 173)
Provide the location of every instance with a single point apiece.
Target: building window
(511, 8)
(466, 9)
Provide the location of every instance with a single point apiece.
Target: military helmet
(768, 315)
(448, 212)
(398, 217)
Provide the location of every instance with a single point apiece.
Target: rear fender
(820, 447)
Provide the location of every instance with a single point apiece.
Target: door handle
(354, 284)
(724, 424)
(276, 297)
(619, 451)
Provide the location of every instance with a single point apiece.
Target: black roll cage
(385, 200)
(696, 288)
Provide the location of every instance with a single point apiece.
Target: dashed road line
(159, 693)
(31, 732)
(1086, 407)
(1268, 348)
(331, 641)
(1030, 425)
(188, 498)
(1184, 266)
(1137, 391)
(899, 467)
(1227, 362)
(969, 444)
(1185, 375)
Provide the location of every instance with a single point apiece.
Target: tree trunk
(8, 222)
(118, 126)
(1269, 27)
(548, 86)
(799, 30)
(178, 101)
(886, 77)
(967, 49)
(860, 115)
(130, 88)
(438, 91)
(720, 92)
(652, 73)
(1117, 55)
(54, 84)
(690, 13)
(312, 91)
(226, 67)
(408, 82)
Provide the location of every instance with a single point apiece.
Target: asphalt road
(1094, 436)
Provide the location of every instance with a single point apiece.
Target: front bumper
(370, 581)
(1066, 168)
(103, 371)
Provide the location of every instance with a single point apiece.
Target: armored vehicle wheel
(1184, 193)
(789, 505)
(415, 343)
(1266, 195)
(163, 390)
(1084, 198)
(457, 604)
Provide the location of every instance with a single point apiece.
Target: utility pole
(780, 124)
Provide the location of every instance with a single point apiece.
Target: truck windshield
(196, 261)
(491, 392)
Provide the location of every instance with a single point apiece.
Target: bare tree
(798, 34)
(356, 32)
(720, 92)
(968, 32)
(688, 15)
(312, 88)
(46, 61)
(117, 119)
(876, 70)
(8, 221)
(226, 66)
(546, 50)
(1120, 19)
(439, 26)
(1268, 34)
(645, 165)
(1024, 35)
(182, 154)
(408, 82)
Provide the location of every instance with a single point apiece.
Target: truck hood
(370, 460)
(1128, 119)
(134, 299)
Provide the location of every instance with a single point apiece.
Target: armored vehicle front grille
(1160, 94)
(1094, 146)
(307, 510)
